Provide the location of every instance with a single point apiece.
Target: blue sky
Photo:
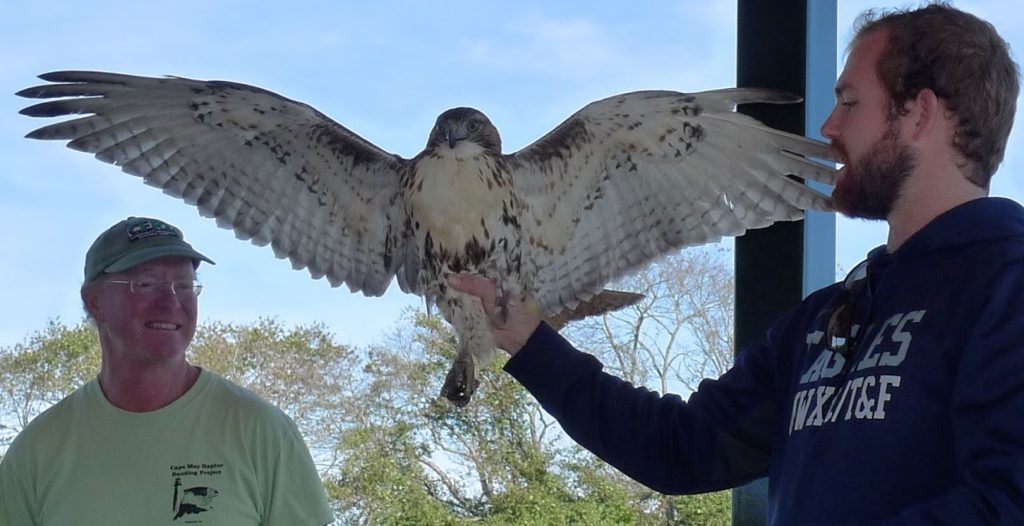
(385, 71)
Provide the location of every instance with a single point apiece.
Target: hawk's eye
(473, 126)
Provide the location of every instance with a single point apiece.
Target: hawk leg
(476, 347)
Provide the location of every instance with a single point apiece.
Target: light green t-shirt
(219, 455)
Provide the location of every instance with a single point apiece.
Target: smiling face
(139, 328)
(866, 137)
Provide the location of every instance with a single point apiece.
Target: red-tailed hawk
(622, 181)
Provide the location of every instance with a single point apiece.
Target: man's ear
(928, 113)
(89, 301)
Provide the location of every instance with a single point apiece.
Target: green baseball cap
(134, 241)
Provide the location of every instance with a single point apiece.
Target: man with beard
(894, 396)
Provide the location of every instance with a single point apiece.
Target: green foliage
(299, 369)
(381, 480)
(293, 368)
(36, 374)
(708, 509)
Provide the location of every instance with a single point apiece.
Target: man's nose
(830, 128)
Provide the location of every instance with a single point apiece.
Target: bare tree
(679, 334)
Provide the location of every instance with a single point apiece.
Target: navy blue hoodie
(924, 424)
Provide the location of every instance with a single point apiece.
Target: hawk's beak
(454, 134)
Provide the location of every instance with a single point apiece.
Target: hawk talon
(501, 303)
(461, 383)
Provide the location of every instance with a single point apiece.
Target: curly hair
(964, 61)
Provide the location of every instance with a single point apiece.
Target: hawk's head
(465, 124)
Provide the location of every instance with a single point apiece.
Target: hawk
(619, 183)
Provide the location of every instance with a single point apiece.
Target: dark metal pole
(771, 52)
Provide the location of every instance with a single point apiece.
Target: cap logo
(150, 228)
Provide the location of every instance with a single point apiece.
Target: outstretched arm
(718, 439)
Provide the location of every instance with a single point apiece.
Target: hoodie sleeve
(719, 438)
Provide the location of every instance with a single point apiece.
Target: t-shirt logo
(192, 501)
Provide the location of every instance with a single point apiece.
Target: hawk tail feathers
(603, 302)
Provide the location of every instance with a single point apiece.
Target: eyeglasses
(179, 287)
(839, 337)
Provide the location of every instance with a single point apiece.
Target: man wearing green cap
(154, 439)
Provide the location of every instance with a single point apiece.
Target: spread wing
(632, 177)
(272, 169)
